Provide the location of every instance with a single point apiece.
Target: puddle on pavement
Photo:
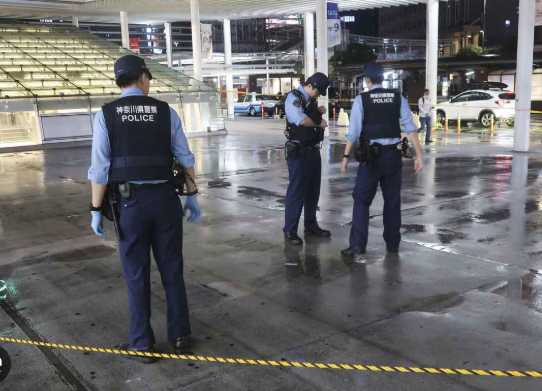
(527, 288)
(261, 194)
(220, 184)
(82, 254)
(445, 236)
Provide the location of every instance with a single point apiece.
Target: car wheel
(485, 118)
(252, 111)
(441, 115)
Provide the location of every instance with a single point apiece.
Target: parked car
(252, 104)
(479, 105)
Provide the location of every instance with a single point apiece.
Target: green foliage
(471, 50)
(356, 53)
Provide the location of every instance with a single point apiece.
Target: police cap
(373, 69)
(131, 64)
(320, 82)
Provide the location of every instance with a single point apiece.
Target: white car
(252, 104)
(479, 105)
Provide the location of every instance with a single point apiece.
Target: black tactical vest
(302, 134)
(139, 130)
(381, 114)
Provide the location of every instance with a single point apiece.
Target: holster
(291, 150)
(362, 152)
(405, 149)
(179, 178)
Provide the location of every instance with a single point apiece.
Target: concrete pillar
(169, 44)
(309, 44)
(267, 88)
(524, 74)
(75, 21)
(124, 30)
(196, 39)
(228, 61)
(321, 42)
(431, 62)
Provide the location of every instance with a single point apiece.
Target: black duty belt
(138, 161)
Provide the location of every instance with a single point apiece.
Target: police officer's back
(375, 125)
(305, 133)
(134, 144)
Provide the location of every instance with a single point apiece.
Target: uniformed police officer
(135, 140)
(305, 132)
(376, 120)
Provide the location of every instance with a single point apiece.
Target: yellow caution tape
(284, 363)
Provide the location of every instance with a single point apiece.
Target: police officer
(376, 120)
(135, 140)
(305, 132)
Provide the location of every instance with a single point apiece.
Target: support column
(124, 30)
(309, 44)
(321, 42)
(169, 45)
(524, 75)
(196, 39)
(431, 62)
(75, 21)
(268, 89)
(228, 60)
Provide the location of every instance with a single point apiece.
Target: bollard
(492, 126)
(459, 123)
(334, 114)
(446, 123)
(263, 112)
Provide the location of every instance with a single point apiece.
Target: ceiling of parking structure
(151, 11)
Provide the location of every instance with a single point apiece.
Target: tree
(355, 53)
(470, 50)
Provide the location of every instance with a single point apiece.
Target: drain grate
(61, 369)
(252, 245)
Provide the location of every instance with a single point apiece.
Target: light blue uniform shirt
(356, 122)
(101, 150)
(295, 114)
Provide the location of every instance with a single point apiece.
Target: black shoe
(393, 249)
(142, 359)
(318, 232)
(292, 238)
(353, 251)
(181, 345)
(429, 142)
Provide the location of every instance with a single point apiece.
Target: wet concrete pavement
(463, 293)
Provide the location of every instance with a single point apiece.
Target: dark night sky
(366, 22)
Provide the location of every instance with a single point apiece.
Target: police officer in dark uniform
(134, 144)
(375, 125)
(305, 132)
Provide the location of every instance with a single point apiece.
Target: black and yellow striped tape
(282, 363)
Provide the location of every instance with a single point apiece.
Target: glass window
(462, 98)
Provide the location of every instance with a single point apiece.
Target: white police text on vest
(383, 97)
(138, 118)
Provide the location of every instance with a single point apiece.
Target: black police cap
(373, 69)
(130, 64)
(320, 81)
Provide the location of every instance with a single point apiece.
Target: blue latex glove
(98, 223)
(192, 205)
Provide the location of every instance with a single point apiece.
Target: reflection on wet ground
(469, 270)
